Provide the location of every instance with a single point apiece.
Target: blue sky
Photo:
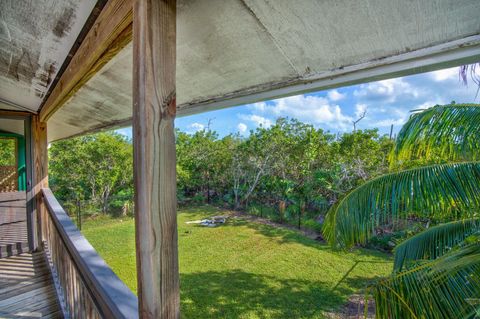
(386, 102)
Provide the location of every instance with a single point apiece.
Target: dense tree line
(93, 173)
(287, 169)
(290, 171)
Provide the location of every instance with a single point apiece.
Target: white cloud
(387, 90)
(360, 109)
(257, 119)
(242, 127)
(334, 95)
(197, 126)
(389, 122)
(310, 109)
(446, 74)
(260, 106)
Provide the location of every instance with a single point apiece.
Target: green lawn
(246, 270)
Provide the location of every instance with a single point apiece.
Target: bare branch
(361, 117)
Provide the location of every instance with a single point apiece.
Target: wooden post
(40, 173)
(154, 109)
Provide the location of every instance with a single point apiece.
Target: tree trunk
(282, 205)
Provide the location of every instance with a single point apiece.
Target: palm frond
(431, 191)
(440, 288)
(434, 242)
(450, 132)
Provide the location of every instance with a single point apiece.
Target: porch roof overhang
(230, 52)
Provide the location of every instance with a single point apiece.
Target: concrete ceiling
(232, 52)
(35, 38)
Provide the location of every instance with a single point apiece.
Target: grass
(246, 270)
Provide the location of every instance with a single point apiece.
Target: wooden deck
(26, 288)
(13, 224)
(26, 284)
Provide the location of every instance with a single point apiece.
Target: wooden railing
(8, 178)
(86, 285)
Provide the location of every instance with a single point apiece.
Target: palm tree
(470, 69)
(437, 272)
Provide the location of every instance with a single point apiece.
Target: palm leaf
(441, 288)
(448, 132)
(434, 242)
(431, 191)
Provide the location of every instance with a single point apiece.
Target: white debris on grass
(210, 222)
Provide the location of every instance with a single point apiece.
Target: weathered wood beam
(40, 173)
(14, 114)
(111, 32)
(154, 109)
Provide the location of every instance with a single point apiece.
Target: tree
(203, 161)
(252, 160)
(437, 271)
(91, 167)
(7, 151)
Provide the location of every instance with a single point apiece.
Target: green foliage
(94, 168)
(447, 132)
(290, 162)
(437, 270)
(436, 190)
(7, 151)
(435, 241)
(203, 163)
(435, 289)
(293, 163)
(313, 225)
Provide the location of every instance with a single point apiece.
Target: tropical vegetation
(290, 172)
(436, 272)
(244, 270)
(7, 151)
(416, 193)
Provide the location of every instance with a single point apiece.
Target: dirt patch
(354, 309)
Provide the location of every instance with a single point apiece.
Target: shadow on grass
(284, 235)
(238, 294)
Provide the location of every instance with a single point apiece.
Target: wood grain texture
(26, 288)
(14, 114)
(74, 295)
(13, 225)
(12, 196)
(88, 287)
(40, 172)
(109, 34)
(154, 109)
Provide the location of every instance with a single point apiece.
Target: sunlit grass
(246, 270)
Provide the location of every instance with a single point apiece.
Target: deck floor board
(27, 291)
(13, 224)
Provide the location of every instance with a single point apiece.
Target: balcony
(64, 278)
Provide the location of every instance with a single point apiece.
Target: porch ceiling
(35, 38)
(232, 52)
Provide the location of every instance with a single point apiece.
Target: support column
(39, 179)
(154, 109)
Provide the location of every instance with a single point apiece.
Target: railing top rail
(113, 297)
